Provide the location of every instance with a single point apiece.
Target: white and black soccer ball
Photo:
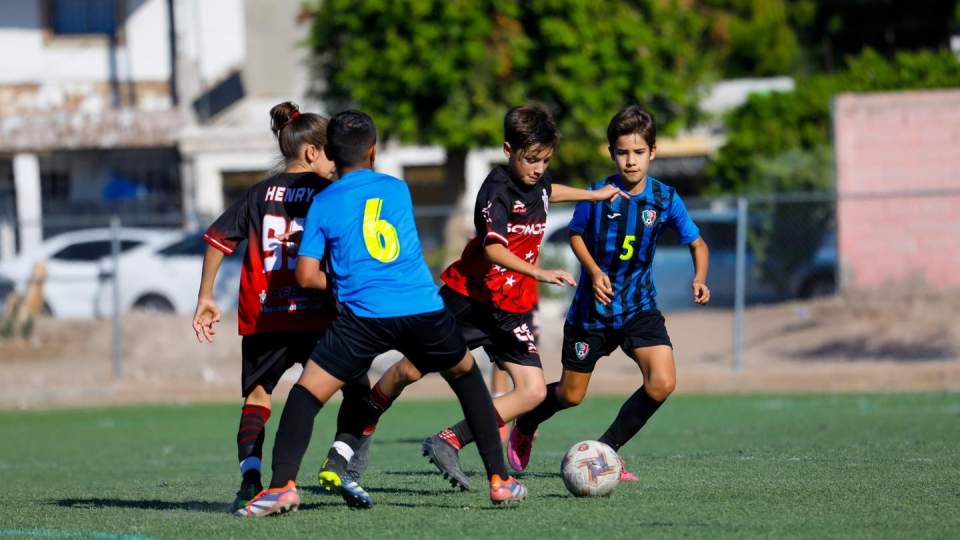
(590, 469)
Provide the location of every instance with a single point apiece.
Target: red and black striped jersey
(270, 216)
(514, 215)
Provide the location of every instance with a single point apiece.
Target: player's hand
(555, 277)
(610, 193)
(701, 293)
(602, 289)
(207, 315)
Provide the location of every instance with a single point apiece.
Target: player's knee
(533, 395)
(661, 386)
(569, 398)
(258, 396)
(407, 373)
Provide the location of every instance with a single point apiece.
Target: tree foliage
(781, 141)
(445, 71)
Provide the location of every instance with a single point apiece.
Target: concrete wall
(40, 71)
(898, 179)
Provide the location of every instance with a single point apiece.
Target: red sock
(451, 438)
(250, 433)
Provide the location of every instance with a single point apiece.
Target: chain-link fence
(763, 250)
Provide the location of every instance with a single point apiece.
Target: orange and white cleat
(272, 501)
(506, 491)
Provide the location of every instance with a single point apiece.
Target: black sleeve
(491, 216)
(232, 226)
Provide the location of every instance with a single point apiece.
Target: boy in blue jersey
(614, 304)
(363, 223)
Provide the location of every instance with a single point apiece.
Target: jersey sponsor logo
(582, 348)
(649, 217)
(283, 194)
(519, 207)
(535, 229)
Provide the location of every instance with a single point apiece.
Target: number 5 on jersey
(379, 235)
(627, 247)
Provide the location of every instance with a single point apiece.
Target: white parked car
(165, 278)
(73, 264)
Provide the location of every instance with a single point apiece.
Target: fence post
(740, 283)
(117, 345)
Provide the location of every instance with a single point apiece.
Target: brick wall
(898, 181)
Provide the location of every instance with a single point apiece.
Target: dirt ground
(835, 344)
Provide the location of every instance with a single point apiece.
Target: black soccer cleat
(248, 490)
(446, 458)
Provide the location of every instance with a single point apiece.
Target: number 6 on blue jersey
(379, 235)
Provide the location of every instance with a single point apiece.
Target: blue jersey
(365, 222)
(621, 237)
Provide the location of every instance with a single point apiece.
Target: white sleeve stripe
(496, 236)
(217, 245)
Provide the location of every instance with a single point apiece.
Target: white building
(153, 109)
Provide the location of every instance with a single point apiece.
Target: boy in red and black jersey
(492, 288)
(280, 321)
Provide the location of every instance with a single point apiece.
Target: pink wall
(887, 145)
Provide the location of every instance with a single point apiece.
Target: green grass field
(710, 466)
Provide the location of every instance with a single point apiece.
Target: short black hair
(633, 119)
(350, 134)
(530, 126)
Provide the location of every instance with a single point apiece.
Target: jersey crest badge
(649, 217)
(519, 207)
(581, 348)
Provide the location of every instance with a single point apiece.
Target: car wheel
(153, 303)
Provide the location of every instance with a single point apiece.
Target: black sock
(632, 416)
(354, 413)
(293, 435)
(462, 430)
(481, 418)
(550, 406)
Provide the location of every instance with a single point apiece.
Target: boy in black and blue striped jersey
(615, 302)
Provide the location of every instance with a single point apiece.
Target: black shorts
(583, 348)
(505, 336)
(432, 342)
(266, 357)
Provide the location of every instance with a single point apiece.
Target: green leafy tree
(781, 141)
(445, 72)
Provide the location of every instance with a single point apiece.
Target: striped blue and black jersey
(621, 237)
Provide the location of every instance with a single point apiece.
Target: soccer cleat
(506, 491)
(248, 490)
(447, 460)
(518, 451)
(341, 482)
(272, 501)
(625, 475)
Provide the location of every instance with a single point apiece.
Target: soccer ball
(590, 469)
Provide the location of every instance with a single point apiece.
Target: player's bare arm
(701, 263)
(309, 273)
(602, 289)
(207, 313)
(499, 254)
(562, 193)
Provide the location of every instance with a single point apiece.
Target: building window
(83, 17)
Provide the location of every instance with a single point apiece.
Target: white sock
(343, 449)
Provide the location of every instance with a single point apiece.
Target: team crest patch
(649, 217)
(581, 348)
